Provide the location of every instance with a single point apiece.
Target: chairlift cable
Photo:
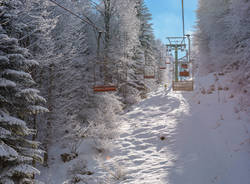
(88, 21)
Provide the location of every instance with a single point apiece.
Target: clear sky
(167, 17)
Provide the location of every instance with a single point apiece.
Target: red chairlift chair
(150, 75)
(184, 74)
(103, 87)
(185, 66)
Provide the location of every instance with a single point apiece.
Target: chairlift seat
(104, 88)
(184, 74)
(139, 73)
(149, 76)
(183, 86)
(184, 66)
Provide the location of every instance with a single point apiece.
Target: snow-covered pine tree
(212, 35)
(62, 71)
(238, 21)
(19, 102)
(147, 39)
(132, 55)
(222, 40)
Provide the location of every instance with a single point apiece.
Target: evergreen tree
(146, 38)
(212, 34)
(146, 35)
(19, 101)
(223, 39)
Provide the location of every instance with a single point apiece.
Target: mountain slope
(177, 138)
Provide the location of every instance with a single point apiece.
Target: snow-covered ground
(176, 138)
(199, 137)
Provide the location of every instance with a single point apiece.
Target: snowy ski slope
(171, 138)
(177, 138)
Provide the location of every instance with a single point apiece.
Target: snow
(4, 132)
(169, 138)
(58, 171)
(4, 60)
(37, 109)
(204, 140)
(20, 74)
(7, 151)
(16, 57)
(10, 120)
(31, 62)
(7, 83)
(24, 169)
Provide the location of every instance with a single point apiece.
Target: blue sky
(167, 17)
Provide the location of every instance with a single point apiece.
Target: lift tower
(182, 66)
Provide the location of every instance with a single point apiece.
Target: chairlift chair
(139, 73)
(149, 76)
(185, 66)
(183, 85)
(105, 86)
(184, 73)
(149, 72)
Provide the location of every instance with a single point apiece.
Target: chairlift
(139, 73)
(149, 72)
(168, 59)
(149, 76)
(185, 66)
(183, 85)
(106, 85)
(182, 79)
(184, 73)
(104, 88)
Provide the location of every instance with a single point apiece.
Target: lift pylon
(182, 68)
(182, 74)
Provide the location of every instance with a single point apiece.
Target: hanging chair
(183, 85)
(104, 82)
(149, 76)
(184, 74)
(185, 66)
(149, 72)
(104, 88)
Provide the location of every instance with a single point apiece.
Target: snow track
(170, 138)
(147, 132)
